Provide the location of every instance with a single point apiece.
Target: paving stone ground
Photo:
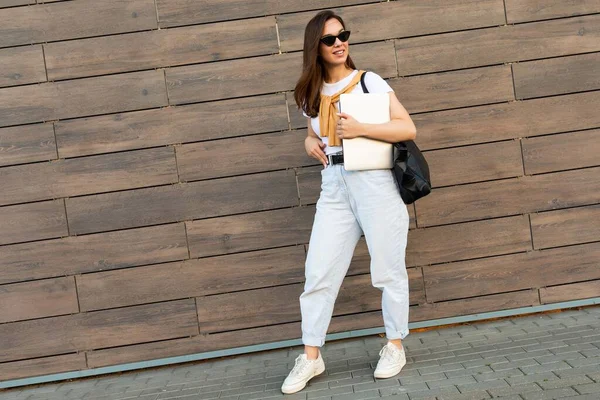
(541, 356)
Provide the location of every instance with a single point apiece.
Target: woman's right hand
(314, 148)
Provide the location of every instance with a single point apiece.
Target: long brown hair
(308, 88)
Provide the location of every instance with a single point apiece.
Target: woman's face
(338, 53)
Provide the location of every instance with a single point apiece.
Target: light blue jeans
(352, 203)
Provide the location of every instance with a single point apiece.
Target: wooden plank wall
(156, 198)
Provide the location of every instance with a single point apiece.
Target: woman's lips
(339, 53)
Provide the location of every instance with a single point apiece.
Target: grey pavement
(553, 355)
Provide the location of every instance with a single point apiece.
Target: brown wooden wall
(156, 199)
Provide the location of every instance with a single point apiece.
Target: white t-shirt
(374, 83)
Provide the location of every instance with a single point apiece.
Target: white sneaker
(303, 371)
(391, 362)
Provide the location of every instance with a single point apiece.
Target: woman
(350, 203)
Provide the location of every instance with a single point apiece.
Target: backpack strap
(362, 83)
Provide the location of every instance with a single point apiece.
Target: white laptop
(364, 153)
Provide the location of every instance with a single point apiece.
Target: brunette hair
(308, 87)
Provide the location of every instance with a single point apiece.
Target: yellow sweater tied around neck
(328, 110)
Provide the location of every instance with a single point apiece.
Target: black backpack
(410, 167)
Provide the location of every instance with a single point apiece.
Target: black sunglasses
(329, 40)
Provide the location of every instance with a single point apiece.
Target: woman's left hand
(348, 128)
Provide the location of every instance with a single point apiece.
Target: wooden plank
(158, 205)
(246, 232)
(105, 251)
(449, 243)
(534, 10)
(297, 119)
(218, 341)
(36, 221)
(455, 89)
(396, 19)
(309, 184)
(185, 12)
(475, 305)
(192, 345)
(470, 240)
(259, 75)
(43, 366)
(345, 323)
(11, 3)
(276, 305)
(356, 295)
(440, 91)
(242, 155)
(82, 97)
(509, 197)
(80, 176)
(161, 48)
(561, 152)
(507, 121)
(201, 277)
(415, 287)
(557, 76)
(565, 227)
(475, 163)
(22, 65)
(30, 143)
(50, 22)
(533, 269)
(497, 45)
(249, 309)
(234, 78)
(412, 214)
(38, 299)
(139, 129)
(96, 330)
(378, 57)
(574, 291)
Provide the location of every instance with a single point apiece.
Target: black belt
(335, 159)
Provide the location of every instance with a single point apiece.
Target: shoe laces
(389, 353)
(300, 364)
